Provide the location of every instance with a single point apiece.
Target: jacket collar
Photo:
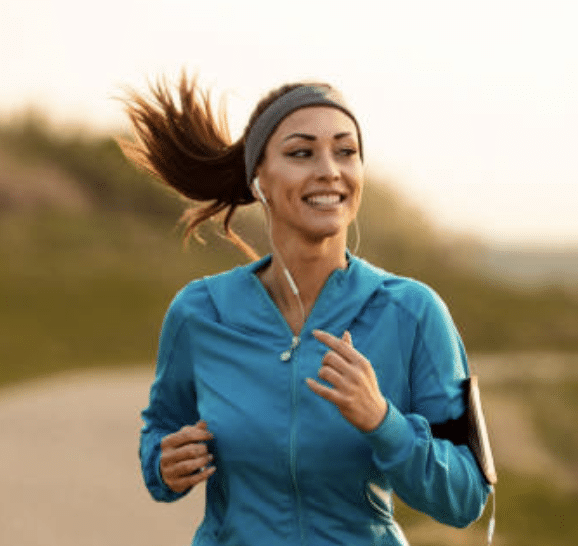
(243, 303)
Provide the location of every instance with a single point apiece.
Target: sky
(469, 108)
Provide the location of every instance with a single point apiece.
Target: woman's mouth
(324, 200)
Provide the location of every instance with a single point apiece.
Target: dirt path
(69, 470)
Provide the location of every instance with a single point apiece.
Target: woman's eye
(306, 152)
(300, 153)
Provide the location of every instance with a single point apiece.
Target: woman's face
(312, 174)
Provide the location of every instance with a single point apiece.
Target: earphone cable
(292, 284)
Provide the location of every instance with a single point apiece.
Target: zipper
(293, 432)
(286, 355)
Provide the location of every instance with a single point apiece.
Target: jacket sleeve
(172, 401)
(431, 475)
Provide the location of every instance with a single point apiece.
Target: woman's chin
(315, 228)
(319, 233)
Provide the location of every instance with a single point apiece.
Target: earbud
(259, 192)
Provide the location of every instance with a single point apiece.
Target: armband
(470, 429)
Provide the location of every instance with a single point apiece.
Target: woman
(303, 387)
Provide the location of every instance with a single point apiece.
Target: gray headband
(267, 122)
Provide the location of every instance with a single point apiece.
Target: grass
(529, 512)
(89, 292)
(554, 406)
(532, 512)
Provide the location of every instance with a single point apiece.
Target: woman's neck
(309, 266)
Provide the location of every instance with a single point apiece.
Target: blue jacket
(290, 469)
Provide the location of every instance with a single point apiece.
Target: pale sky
(471, 108)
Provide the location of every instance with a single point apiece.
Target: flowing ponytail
(190, 150)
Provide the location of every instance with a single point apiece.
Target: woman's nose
(327, 167)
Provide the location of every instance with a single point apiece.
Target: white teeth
(324, 199)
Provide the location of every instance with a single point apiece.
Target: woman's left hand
(355, 389)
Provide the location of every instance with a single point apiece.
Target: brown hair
(190, 150)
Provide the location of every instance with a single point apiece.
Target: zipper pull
(286, 355)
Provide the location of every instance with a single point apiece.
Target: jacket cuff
(393, 440)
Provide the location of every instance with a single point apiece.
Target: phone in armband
(478, 440)
(479, 443)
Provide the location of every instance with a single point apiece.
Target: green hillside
(90, 260)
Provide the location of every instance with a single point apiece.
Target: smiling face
(312, 174)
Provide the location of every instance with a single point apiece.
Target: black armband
(454, 430)
(470, 429)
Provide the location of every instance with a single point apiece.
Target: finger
(345, 350)
(333, 377)
(187, 467)
(347, 338)
(170, 457)
(186, 435)
(182, 484)
(335, 361)
(332, 395)
(191, 451)
(340, 346)
(198, 432)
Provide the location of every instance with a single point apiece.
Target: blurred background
(470, 124)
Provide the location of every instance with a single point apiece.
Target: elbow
(461, 519)
(469, 500)
(457, 511)
(468, 509)
(465, 520)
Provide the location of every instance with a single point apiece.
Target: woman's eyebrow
(342, 135)
(307, 136)
(300, 135)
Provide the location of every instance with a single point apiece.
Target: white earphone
(259, 192)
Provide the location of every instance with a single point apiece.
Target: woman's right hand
(185, 457)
